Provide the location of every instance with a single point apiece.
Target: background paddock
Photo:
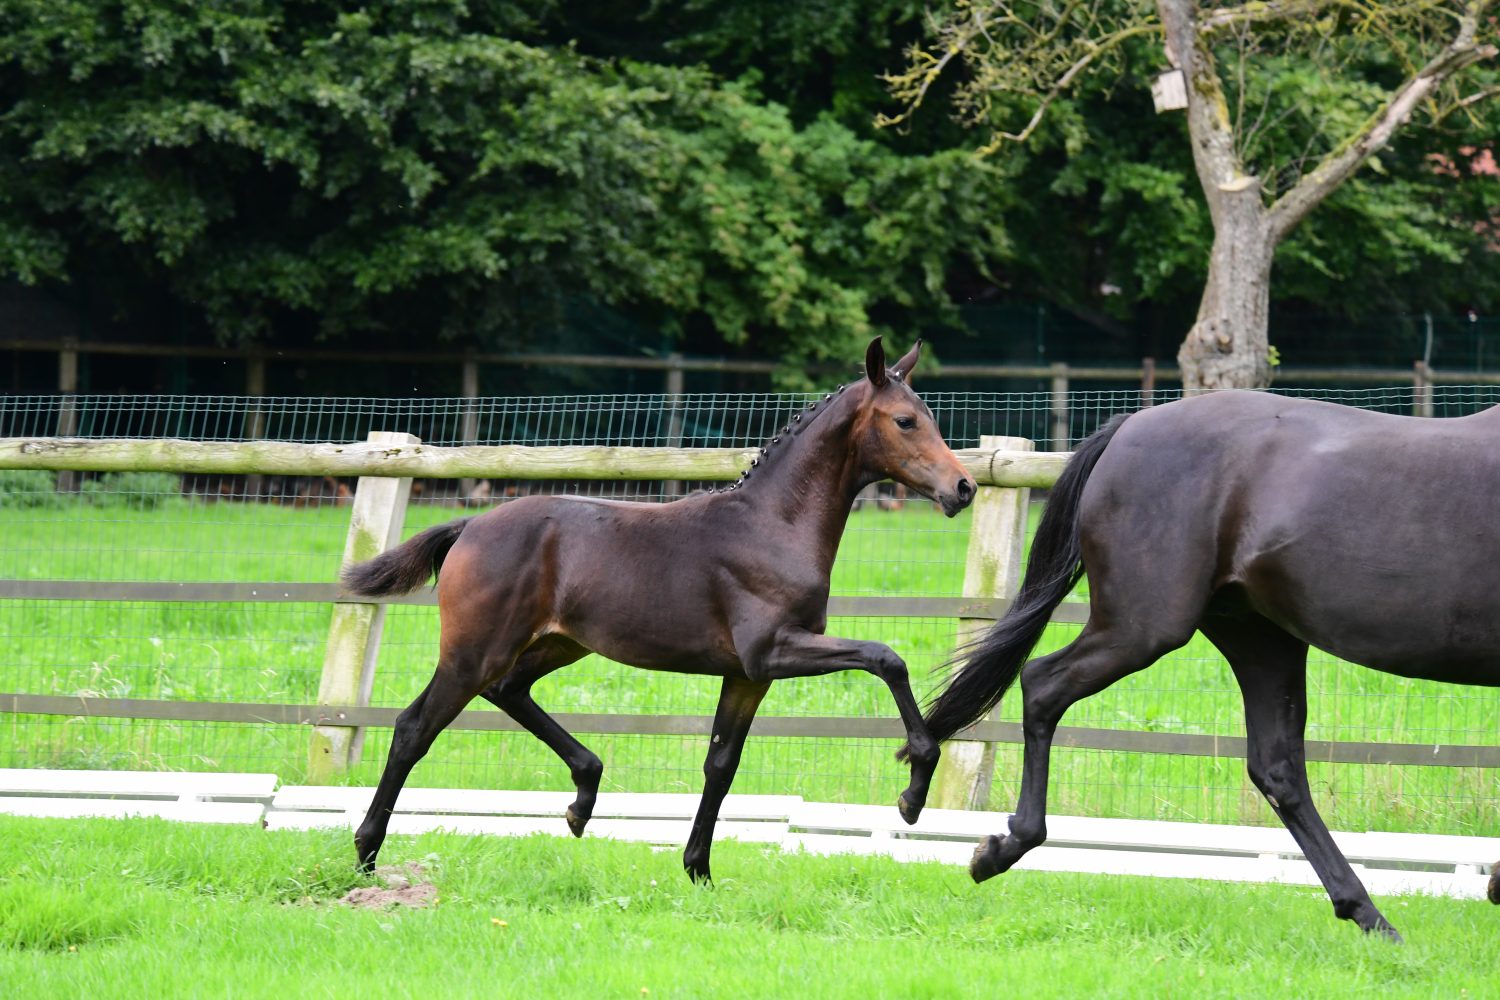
(218, 536)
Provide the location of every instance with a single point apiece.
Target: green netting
(151, 527)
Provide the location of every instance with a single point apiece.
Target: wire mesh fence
(155, 527)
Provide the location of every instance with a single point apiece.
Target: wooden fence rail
(989, 467)
(1004, 470)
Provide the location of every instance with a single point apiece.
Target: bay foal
(730, 583)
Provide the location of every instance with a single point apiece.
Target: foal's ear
(902, 369)
(875, 363)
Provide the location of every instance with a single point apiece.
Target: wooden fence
(1004, 468)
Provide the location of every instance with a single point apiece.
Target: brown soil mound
(404, 885)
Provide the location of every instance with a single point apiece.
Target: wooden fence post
(354, 630)
(992, 568)
(1060, 416)
(1421, 384)
(255, 418)
(67, 413)
(1148, 381)
(674, 389)
(469, 431)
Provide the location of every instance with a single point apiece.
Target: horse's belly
(1416, 652)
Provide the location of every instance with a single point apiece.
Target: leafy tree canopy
(709, 170)
(423, 166)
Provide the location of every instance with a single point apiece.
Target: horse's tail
(985, 669)
(408, 565)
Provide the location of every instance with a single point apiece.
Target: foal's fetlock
(1495, 884)
(586, 780)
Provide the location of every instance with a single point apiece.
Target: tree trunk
(1228, 346)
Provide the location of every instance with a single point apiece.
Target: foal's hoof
(576, 823)
(985, 864)
(909, 812)
(1495, 884)
(698, 874)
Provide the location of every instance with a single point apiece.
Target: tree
(441, 168)
(1358, 73)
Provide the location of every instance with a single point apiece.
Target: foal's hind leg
(1271, 667)
(1049, 685)
(738, 700)
(512, 693)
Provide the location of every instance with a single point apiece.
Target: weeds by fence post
(992, 568)
(354, 631)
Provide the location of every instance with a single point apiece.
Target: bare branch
(1062, 83)
(1336, 167)
(911, 87)
(1257, 10)
(1031, 53)
(1465, 103)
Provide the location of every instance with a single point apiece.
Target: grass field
(146, 908)
(274, 653)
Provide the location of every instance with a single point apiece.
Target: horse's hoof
(1385, 930)
(984, 864)
(698, 875)
(1495, 884)
(576, 823)
(910, 813)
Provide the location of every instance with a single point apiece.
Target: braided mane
(794, 427)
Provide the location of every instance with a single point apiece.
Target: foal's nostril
(966, 489)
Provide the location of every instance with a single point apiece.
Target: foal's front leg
(738, 700)
(796, 652)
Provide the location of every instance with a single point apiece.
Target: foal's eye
(906, 423)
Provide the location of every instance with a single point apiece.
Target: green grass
(148, 908)
(274, 653)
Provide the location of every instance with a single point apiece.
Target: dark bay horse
(1269, 524)
(731, 583)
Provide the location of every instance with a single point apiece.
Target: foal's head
(895, 436)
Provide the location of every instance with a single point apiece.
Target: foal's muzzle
(959, 497)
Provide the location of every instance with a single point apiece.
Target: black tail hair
(408, 565)
(985, 669)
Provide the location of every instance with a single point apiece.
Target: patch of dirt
(403, 885)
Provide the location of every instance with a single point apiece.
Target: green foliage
(413, 165)
(28, 488)
(133, 490)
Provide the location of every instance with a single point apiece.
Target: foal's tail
(991, 664)
(407, 566)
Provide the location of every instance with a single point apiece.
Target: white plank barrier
(184, 796)
(1388, 863)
